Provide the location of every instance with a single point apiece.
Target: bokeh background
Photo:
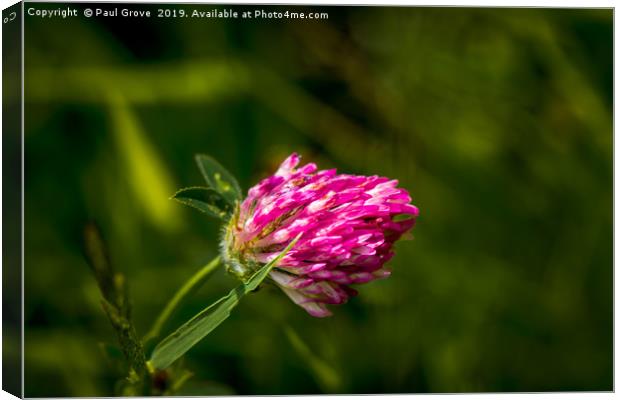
(498, 121)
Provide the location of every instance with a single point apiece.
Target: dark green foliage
(206, 200)
(219, 178)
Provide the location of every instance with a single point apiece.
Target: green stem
(194, 283)
(117, 306)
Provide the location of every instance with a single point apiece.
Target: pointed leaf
(219, 178)
(204, 199)
(190, 333)
(193, 284)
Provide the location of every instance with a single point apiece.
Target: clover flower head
(347, 224)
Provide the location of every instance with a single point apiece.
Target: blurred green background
(498, 121)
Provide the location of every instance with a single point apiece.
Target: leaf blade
(203, 323)
(218, 178)
(205, 200)
(190, 286)
(190, 333)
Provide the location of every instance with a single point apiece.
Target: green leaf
(219, 178)
(206, 200)
(193, 284)
(194, 330)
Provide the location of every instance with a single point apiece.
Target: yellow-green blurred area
(498, 121)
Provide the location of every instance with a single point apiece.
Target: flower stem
(191, 285)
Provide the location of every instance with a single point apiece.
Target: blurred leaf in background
(498, 121)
